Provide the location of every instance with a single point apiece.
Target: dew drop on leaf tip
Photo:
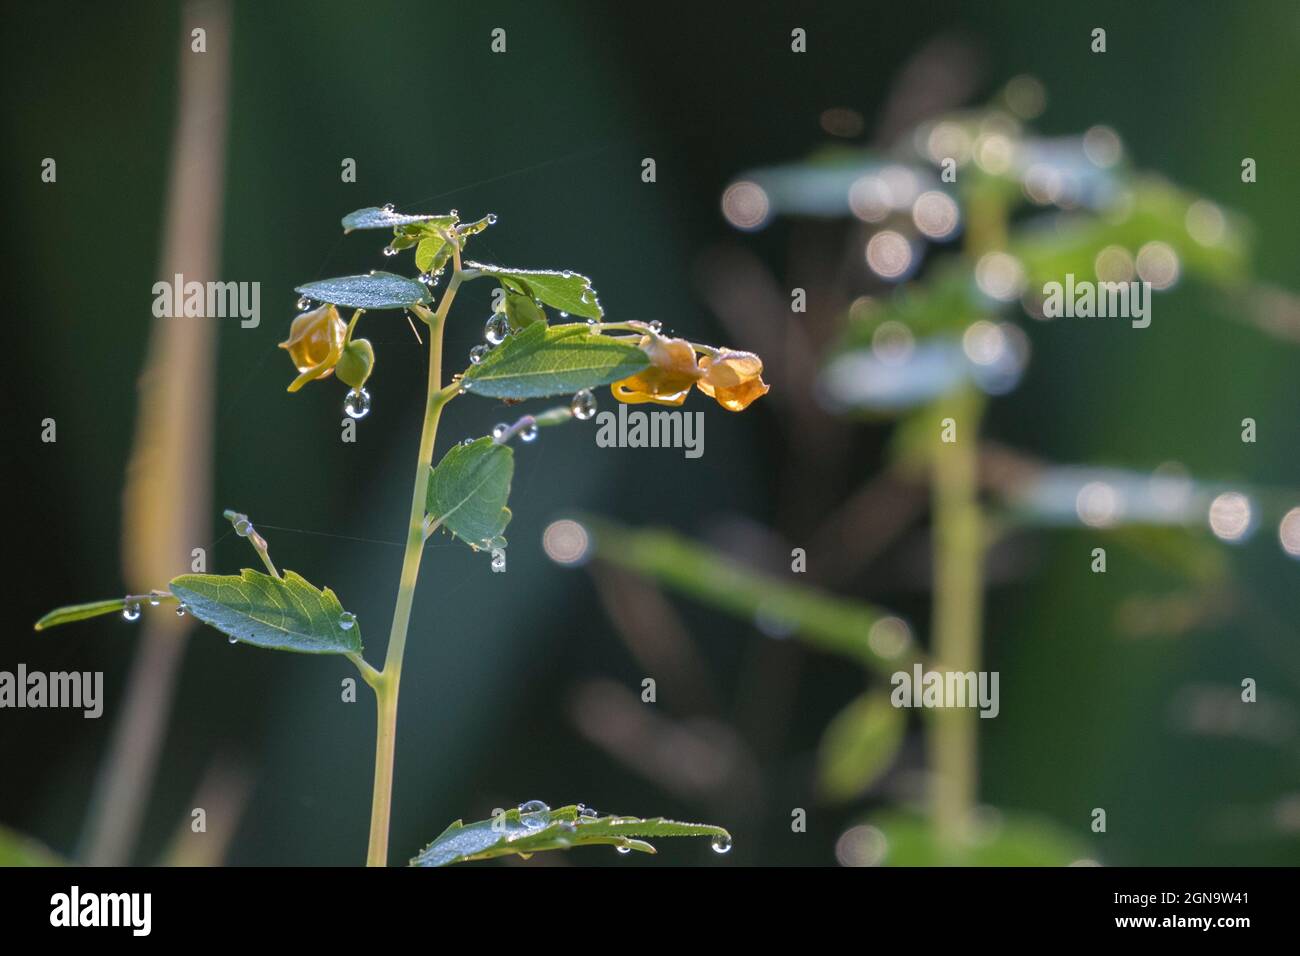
(529, 434)
(131, 611)
(721, 843)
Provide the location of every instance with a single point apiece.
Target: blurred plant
(930, 354)
(465, 494)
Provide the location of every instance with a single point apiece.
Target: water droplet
(357, 403)
(534, 814)
(389, 207)
(232, 640)
(427, 278)
(496, 328)
(564, 315)
(721, 843)
(656, 326)
(389, 251)
(131, 611)
(583, 405)
(304, 303)
(243, 527)
(153, 601)
(454, 212)
(529, 433)
(625, 850)
(499, 432)
(492, 219)
(181, 609)
(347, 620)
(586, 812)
(478, 353)
(498, 542)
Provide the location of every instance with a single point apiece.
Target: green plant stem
(386, 683)
(958, 548)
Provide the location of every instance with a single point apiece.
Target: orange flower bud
(733, 379)
(667, 380)
(315, 343)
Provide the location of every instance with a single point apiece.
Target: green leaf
(379, 290)
(286, 614)
(375, 217)
(79, 612)
(859, 745)
(996, 840)
(18, 849)
(557, 360)
(562, 829)
(469, 488)
(566, 291)
(432, 253)
(833, 623)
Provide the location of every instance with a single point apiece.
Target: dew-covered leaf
(377, 217)
(286, 614)
(557, 360)
(469, 488)
(859, 745)
(379, 290)
(79, 612)
(561, 829)
(564, 291)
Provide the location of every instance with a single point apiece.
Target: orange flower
(733, 379)
(667, 380)
(315, 344)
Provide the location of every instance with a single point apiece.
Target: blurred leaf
(79, 612)
(375, 217)
(555, 360)
(469, 488)
(1011, 841)
(566, 291)
(379, 290)
(18, 849)
(824, 620)
(286, 614)
(562, 829)
(859, 745)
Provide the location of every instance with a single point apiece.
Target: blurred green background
(505, 673)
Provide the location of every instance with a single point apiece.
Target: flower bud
(522, 311)
(356, 363)
(315, 343)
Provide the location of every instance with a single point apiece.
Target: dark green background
(550, 137)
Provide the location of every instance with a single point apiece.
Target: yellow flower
(315, 343)
(733, 379)
(667, 380)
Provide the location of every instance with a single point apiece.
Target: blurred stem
(958, 545)
(387, 681)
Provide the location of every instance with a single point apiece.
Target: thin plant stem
(387, 682)
(958, 609)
